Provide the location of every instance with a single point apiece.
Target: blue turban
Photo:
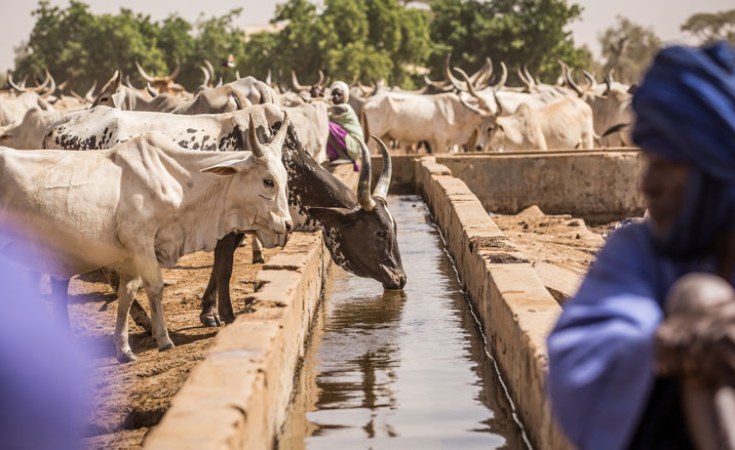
(685, 112)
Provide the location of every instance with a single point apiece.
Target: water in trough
(400, 369)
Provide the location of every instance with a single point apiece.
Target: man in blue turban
(623, 351)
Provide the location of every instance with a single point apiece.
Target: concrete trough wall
(594, 185)
(238, 396)
(516, 310)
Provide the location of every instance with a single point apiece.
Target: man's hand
(697, 339)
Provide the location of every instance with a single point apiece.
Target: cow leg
(219, 284)
(129, 284)
(140, 317)
(257, 247)
(59, 294)
(150, 273)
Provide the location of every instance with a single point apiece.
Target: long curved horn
(501, 110)
(448, 75)
(486, 110)
(129, 84)
(142, 73)
(485, 77)
(210, 67)
(89, 96)
(523, 78)
(590, 79)
(237, 75)
(296, 85)
(151, 90)
(219, 82)
(255, 144)
(280, 138)
(62, 87)
(268, 78)
(207, 76)
(503, 77)
(52, 86)
(572, 84)
(608, 84)
(529, 77)
(175, 73)
(77, 96)
(321, 79)
(42, 87)
(13, 85)
(561, 79)
(381, 188)
(363, 186)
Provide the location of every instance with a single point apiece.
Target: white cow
(12, 108)
(563, 124)
(444, 120)
(29, 133)
(142, 204)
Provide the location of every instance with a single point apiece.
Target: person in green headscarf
(345, 131)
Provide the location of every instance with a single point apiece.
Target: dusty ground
(559, 246)
(129, 399)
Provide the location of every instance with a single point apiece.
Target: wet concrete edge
(516, 310)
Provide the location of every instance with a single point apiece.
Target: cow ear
(330, 216)
(230, 167)
(118, 98)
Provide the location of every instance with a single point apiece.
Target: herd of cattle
(165, 179)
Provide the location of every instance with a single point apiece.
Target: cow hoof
(126, 357)
(258, 259)
(167, 346)
(211, 320)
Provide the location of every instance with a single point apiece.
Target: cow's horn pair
(277, 142)
(151, 79)
(381, 188)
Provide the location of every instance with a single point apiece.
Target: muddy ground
(130, 399)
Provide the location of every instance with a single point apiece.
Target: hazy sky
(664, 16)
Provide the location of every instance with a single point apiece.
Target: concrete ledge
(515, 308)
(238, 396)
(573, 182)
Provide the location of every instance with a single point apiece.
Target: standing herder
(345, 132)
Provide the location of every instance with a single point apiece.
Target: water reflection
(399, 369)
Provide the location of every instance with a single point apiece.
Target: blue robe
(601, 362)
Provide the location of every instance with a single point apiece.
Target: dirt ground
(127, 400)
(561, 241)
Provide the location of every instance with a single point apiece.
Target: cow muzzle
(396, 280)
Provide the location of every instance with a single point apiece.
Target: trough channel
(400, 369)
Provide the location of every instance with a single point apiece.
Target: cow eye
(269, 183)
(381, 234)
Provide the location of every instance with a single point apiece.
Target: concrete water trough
(238, 396)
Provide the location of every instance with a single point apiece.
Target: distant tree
(73, 42)
(709, 27)
(628, 49)
(531, 32)
(365, 39)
